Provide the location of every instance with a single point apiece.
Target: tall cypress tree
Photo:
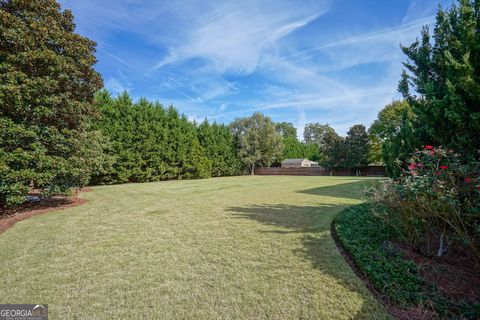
(219, 145)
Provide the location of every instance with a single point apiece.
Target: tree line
(145, 141)
(149, 142)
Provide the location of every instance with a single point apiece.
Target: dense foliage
(357, 147)
(294, 149)
(316, 133)
(47, 83)
(371, 244)
(220, 148)
(443, 80)
(441, 87)
(391, 136)
(435, 204)
(149, 143)
(286, 129)
(334, 149)
(366, 238)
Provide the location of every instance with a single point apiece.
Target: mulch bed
(457, 276)
(10, 216)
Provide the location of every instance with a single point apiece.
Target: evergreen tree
(47, 84)
(148, 142)
(357, 147)
(220, 149)
(397, 149)
(335, 150)
(443, 80)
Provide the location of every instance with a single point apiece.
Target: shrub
(367, 240)
(371, 244)
(435, 203)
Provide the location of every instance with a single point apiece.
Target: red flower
(443, 167)
(478, 188)
(411, 167)
(468, 180)
(428, 148)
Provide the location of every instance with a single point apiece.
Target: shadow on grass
(298, 219)
(312, 224)
(349, 190)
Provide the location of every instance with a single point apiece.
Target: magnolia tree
(258, 140)
(47, 84)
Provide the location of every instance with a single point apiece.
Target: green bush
(371, 244)
(367, 239)
(435, 204)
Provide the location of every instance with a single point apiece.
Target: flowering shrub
(435, 204)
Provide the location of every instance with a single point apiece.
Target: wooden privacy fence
(371, 171)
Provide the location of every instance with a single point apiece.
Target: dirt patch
(457, 276)
(10, 216)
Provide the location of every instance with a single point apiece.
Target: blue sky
(327, 61)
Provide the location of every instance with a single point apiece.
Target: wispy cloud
(222, 59)
(419, 9)
(235, 35)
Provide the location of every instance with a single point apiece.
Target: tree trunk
(441, 247)
(252, 172)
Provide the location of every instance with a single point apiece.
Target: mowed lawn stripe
(223, 248)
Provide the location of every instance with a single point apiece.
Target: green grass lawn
(224, 248)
